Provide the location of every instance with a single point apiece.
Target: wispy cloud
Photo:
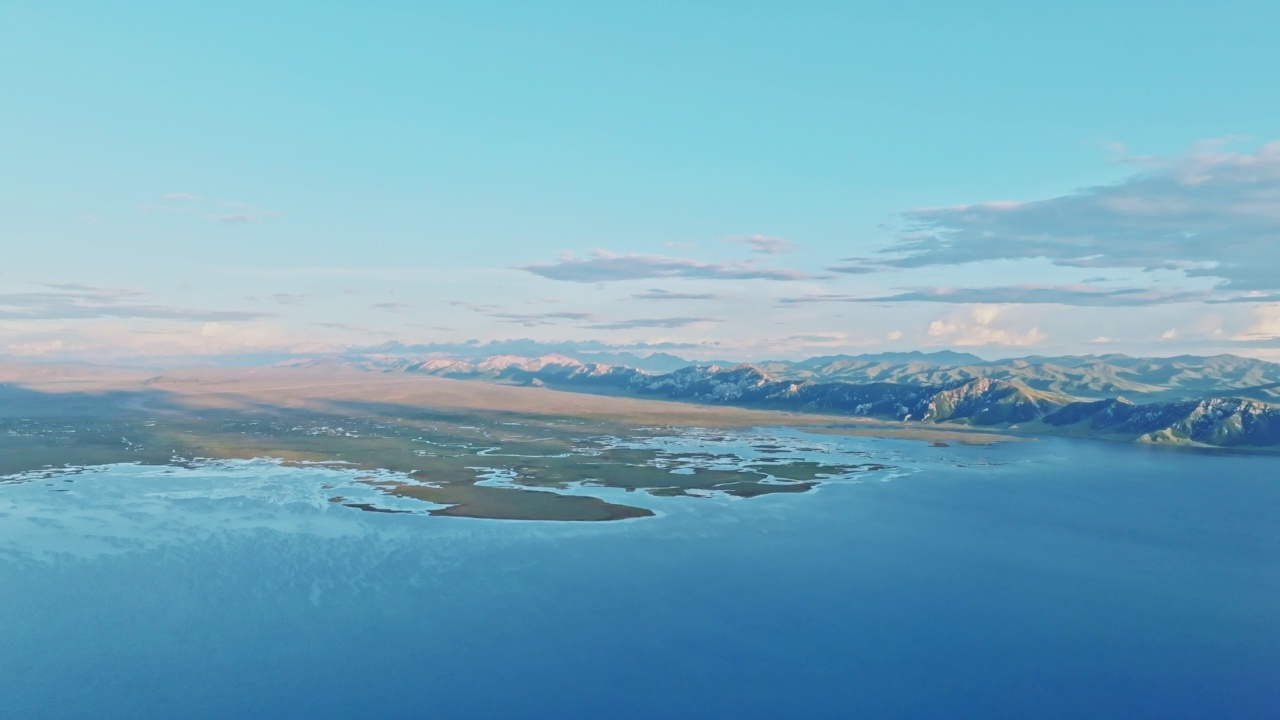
(670, 322)
(74, 302)
(1249, 297)
(764, 244)
(532, 319)
(1078, 295)
(473, 307)
(603, 266)
(356, 329)
(526, 319)
(1210, 213)
(242, 213)
(96, 290)
(659, 294)
(821, 298)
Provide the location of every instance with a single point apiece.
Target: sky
(740, 180)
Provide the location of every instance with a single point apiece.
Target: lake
(1046, 579)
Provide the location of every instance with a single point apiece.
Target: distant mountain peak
(1215, 401)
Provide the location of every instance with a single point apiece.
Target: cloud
(1265, 326)
(239, 213)
(658, 294)
(1249, 297)
(346, 327)
(979, 329)
(1209, 213)
(532, 319)
(96, 290)
(831, 338)
(820, 298)
(815, 340)
(851, 269)
(473, 307)
(603, 266)
(765, 244)
(289, 298)
(72, 301)
(1079, 295)
(526, 319)
(671, 322)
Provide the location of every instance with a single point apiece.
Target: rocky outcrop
(1224, 422)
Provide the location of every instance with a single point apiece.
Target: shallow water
(1047, 579)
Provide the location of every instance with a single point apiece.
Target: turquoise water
(1054, 579)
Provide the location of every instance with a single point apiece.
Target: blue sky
(731, 179)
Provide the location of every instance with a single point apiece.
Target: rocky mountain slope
(1224, 422)
(1091, 376)
(954, 396)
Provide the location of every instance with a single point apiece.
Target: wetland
(465, 450)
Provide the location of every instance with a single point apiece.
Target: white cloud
(1265, 326)
(985, 314)
(979, 328)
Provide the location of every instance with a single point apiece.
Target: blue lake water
(1048, 579)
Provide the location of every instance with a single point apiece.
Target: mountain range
(1223, 400)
